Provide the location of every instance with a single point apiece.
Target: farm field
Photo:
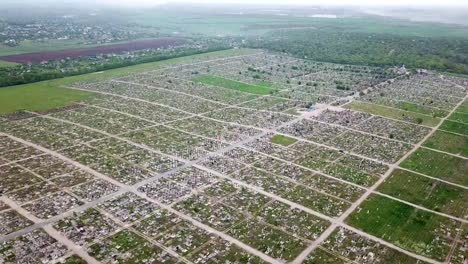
(38, 57)
(240, 156)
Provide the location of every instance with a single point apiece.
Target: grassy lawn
(384, 111)
(448, 142)
(421, 109)
(52, 94)
(283, 140)
(426, 192)
(230, 84)
(401, 224)
(455, 127)
(4, 64)
(74, 260)
(438, 165)
(460, 117)
(37, 97)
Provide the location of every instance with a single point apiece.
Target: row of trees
(338, 46)
(23, 74)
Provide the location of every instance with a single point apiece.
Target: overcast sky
(300, 2)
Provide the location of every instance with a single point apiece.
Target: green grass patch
(283, 140)
(421, 109)
(74, 260)
(37, 97)
(389, 112)
(6, 64)
(455, 127)
(409, 228)
(448, 142)
(51, 94)
(438, 165)
(429, 193)
(459, 117)
(235, 85)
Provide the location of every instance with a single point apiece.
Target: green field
(283, 140)
(438, 165)
(384, 111)
(37, 97)
(421, 109)
(459, 117)
(404, 225)
(455, 127)
(448, 142)
(52, 94)
(7, 64)
(235, 85)
(429, 193)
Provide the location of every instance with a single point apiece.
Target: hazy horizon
(140, 3)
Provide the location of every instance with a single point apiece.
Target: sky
(299, 2)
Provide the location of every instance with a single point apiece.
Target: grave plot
(222, 164)
(187, 240)
(310, 179)
(259, 119)
(20, 154)
(310, 98)
(429, 193)
(7, 144)
(215, 129)
(52, 205)
(268, 145)
(12, 221)
(394, 130)
(275, 104)
(165, 190)
(439, 165)
(220, 251)
(459, 247)
(293, 221)
(108, 165)
(271, 241)
(345, 118)
(128, 207)
(51, 134)
(291, 191)
(153, 112)
(235, 209)
(344, 246)
(174, 142)
(182, 102)
(85, 227)
(47, 166)
(193, 86)
(415, 230)
(94, 190)
(149, 160)
(428, 95)
(343, 166)
(102, 120)
(33, 247)
(128, 247)
(313, 131)
(382, 150)
(184, 238)
(13, 178)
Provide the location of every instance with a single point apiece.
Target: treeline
(23, 74)
(335, 45)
